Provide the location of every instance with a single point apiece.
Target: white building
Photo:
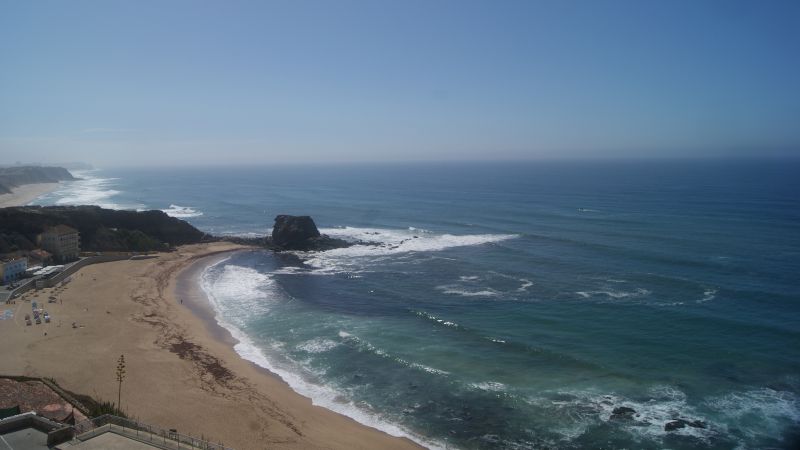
(62, 241)
(12, 268)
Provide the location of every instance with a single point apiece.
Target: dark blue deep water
(514, 305)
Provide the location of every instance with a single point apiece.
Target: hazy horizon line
(433, 162)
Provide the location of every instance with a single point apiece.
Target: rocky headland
(12, 177)
(114, 230)
(100, 229)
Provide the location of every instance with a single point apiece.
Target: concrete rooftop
(25, 439)
(109, 441)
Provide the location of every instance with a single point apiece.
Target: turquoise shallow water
(514, 305)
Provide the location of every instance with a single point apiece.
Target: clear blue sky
(292, 81)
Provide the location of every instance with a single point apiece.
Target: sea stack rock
(294, 232)
(301, 233)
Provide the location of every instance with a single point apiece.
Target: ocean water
(513, 305)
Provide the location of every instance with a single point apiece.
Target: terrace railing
(155, 436)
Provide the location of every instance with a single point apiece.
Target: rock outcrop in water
(11, 177)
(622, 413)
(682, 423)
(294, 231)
(301, 233)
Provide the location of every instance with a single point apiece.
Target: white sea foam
(457, 290)
(580, 410)
(240, 291)
(708, 295)
(418, 230)
(318, 345)
(755, 414)
(492, 386)
(88, 190)
(364, 345)
(433, 318)
(427, 368)
(525, 285)
(238, 288)
(245, 234)
(388, 242)
(321, 395)
(289, 270)
(608, 293)
(181, 212)
(758, 412)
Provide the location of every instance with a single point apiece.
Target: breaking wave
(238, 293)
(616, 295)
(716, 420)
(380, 243)
(455, 290)
(88, 190)
(318, 345)
(181, 212)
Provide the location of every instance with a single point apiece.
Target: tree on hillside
(120, 379)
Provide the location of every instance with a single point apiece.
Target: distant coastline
(20, 185)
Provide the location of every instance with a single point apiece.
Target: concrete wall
(23, 288)
(59, 435)
(29, 420)
(30, 284)
(83, 263)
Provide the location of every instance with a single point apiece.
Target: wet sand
(22, 195)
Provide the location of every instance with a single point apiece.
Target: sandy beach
(22, 195)
(182, 371)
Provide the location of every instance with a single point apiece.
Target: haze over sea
(513, 305)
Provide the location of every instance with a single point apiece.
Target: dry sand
(181, 371)
(22, 195)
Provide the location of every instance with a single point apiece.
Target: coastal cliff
(100, 229)
(11, 177)
(118, 230)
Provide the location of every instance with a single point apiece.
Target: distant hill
(100, 229)
(76, 165)
(11, 177)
